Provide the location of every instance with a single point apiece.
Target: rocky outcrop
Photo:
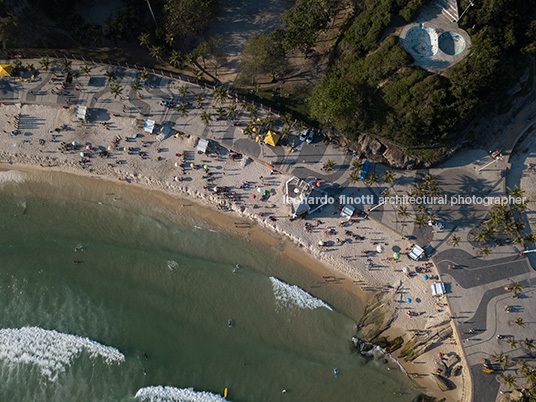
(434, 332)
(379, 313)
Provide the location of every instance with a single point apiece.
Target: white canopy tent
(81, 112)
(438, 289)
(416, 253)
(148, 127)
(202, 145)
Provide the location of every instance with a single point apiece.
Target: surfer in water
(237, 267)
(230, 323)
(145, 355)
(336, 372)
(144, 371)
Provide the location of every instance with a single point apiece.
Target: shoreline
(159, 176)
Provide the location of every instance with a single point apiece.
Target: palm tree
(389, 177)
(421, 221)
(232, 111)
(198, 75)
(372, 179)
(176, 59)
(76, 75)
(519, 240)
(30, 67)
(403, 211)
(329, 165)
(269, 122)
(183, 110)
(485, 251)
(520, 322)
(198, 100)
(300, 126)
(357, 165)
(17, 64)
(65, 65)
(220, 94)
(529, 344)
(145, 39)
(508, 380)
(248, 130)
(354, 176)
(110, 76)
(183, 91)
(287, 119)
(206, 118)
(221, 112)
(530, 238)
(253, 111)
(524, 368)
(144, 75)
(520, 226)
(454, 240)
(45, 62)
(481, 236)
(500, 358)
(169, 39)
(86, 69)
(512, 342)
(285, 132)
(516, 288)
(509, 227)
(116, 91)
(516, 191)
(157, 52)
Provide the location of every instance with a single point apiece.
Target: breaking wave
(168, 394)
(50, 350)
(291, 295)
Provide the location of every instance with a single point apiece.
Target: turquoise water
(137, 284)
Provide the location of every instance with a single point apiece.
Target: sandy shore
(40, 146)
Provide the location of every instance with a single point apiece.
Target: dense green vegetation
(372, 87)
(265, 54)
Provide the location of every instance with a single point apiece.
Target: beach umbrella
(192, 165)
(259, 190)
(253, 196)
(109, 147)
(88, 147)
(75, 143)
(425, 277)
(177, 164)
(205, 167)
(408, 300)
(82, 154)
(266, 192)
(135, 136)
(379, 249)
(320, 243)
(396, 255)
(318, 184)
(216, 189)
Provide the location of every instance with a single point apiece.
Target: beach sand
(35, 154)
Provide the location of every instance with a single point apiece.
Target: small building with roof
(303, 197)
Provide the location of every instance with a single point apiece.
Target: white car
(303, 135)
(310, 137)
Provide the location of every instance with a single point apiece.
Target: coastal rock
(378, 316)
(394, 157)
(376, 148)
(443, 383)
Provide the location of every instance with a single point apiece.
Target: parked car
(310, 136)
(303, 135)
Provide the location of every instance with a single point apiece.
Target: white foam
(12, 176)
(50, 350)
(172, 265)
(168, 394)
(291, 295)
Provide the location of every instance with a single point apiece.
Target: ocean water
(103, 303)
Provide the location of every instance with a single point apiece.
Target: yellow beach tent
(271, 138)
(5, 70)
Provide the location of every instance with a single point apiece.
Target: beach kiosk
(148, 127)
(271, 138)
(416, 253)
(438, 289)
(202, 146)
(5, 70)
